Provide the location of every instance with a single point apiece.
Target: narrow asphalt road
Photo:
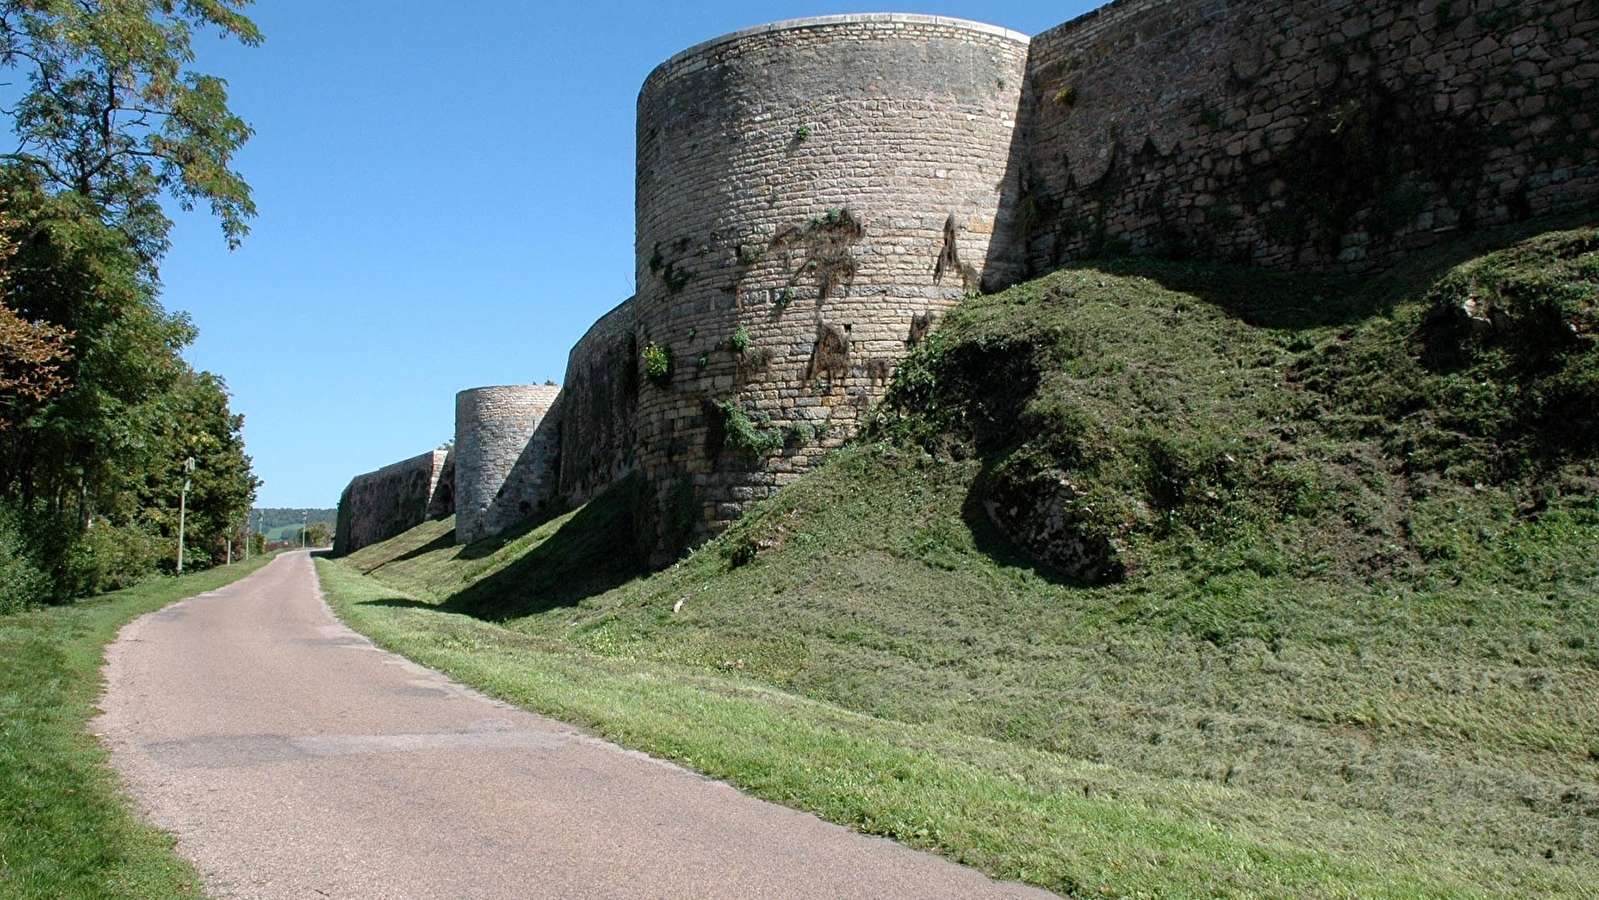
(293, 759)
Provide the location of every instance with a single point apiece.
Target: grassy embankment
(66, 829)
(1345, 640)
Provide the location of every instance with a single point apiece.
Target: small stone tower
(505, 446)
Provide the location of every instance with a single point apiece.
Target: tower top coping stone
(524, 389)
(829, 22)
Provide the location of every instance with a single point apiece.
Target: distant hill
(277, 524)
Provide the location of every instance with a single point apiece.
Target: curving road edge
(294, 759)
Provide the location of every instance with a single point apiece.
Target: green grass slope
(1149, 580)
(66, 829)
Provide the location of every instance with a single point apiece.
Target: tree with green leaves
(101, 459)
(112, 114)
(98, 409)
(31, 353)
(319, 534)
(197, 424)
(77, 273)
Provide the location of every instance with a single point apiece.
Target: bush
(112, 557)
(46, 559)
(22, 582)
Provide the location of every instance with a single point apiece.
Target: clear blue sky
(446, 201)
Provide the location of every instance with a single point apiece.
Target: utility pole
(305, 522)
(183, 503)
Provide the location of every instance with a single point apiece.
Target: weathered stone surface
(598, 407)
(505, 445)
(379, 505)
(1390, 127)
(837, 177)
(443, 502)
(810, 193)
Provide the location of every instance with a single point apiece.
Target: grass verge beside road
(1076, 827)
(1147, 579)
(66, 828)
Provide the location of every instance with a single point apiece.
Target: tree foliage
(31, 353)
(112, 114)
(94, 470)
(318, 534)
(98, 408)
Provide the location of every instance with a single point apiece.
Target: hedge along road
(292, 758)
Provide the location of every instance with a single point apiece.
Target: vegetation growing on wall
(674, 275)
(657, 363)
(823, 247)
(744, 433)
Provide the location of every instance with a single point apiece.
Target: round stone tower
(810, 195)
(505, 447)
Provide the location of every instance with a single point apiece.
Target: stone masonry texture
(598, 406)
(1335, 135)
(443, 502)
(505, 445)
(812, 194)
(379, 505)
(793, 180)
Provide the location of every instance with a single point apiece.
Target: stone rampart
(443, 502)
(812, 194)
(379, 505)
(505, 446)
(805, 191)
(598, 406)
(1309, 135)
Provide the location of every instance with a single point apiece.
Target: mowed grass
(1045, 734)
(1353, 654)
(66, 828)
(1079, 828)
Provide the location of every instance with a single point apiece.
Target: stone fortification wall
(812, 194)
(599, 401)
(505, 448)
(379, 505)
(443, 502)
(1304, 133)
(806, 190)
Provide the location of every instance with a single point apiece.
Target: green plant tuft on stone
(753, 435)
(675, 279)
(798, 434)
(657, 364)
